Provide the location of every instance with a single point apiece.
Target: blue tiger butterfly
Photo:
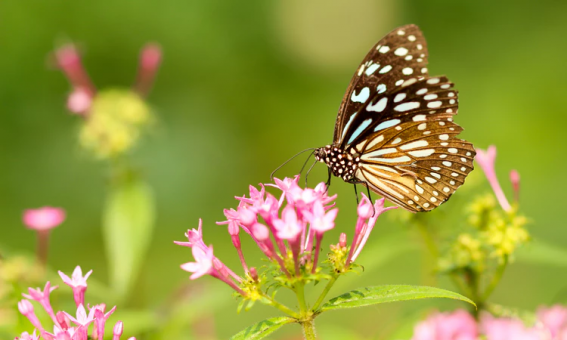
(394, 131)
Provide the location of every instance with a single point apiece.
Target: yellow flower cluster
(495, 234)
(114, 123)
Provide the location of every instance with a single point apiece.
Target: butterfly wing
(399, 56)
(401, 123)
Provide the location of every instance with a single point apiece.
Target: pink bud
(26, 308)
(260, 232)
(364, 209)
(118, 329)
(246, 216)
(254, 274)
(342, 240)
(79, 101)
(62, 320)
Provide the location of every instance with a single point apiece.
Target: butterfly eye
(320, 154)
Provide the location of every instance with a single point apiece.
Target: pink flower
(82, 319)
(458, 325)
(320, 220)
(195, 237)
(288, 227)
(100, 320)
(509, 328)
(486, 160)
(27, 336)
(43, 218)
(203, 264)
(363, 229)
(554, 319)
(43, 298)
(78, 282)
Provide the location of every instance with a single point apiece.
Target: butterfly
(394, 131)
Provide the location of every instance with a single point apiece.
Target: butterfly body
(395, 130)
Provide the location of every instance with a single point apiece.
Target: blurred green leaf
(388, 293)
(128, 221)
(262, 328)
(542, 253)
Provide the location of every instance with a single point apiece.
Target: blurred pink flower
(79, 101)
(78, 282)
(288, 227)
(486, 160)
(457, 325)
(117, 330)
(509, 328)
(150, 59)
(82, 318)
(27, 336)
(515, 179)
(554, 319)
(44, 218)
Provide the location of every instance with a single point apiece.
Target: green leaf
(262, 328)
(388, 293)
(127, 226)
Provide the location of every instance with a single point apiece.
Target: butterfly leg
(328, 183)
(354, 182)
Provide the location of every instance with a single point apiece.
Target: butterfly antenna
(284, 163)
(308, 171)
(305, 163)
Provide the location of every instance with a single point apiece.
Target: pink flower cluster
(551, 324)
(63, 328)
(294, 233)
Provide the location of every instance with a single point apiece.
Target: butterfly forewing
(399, 56)
(400, 121)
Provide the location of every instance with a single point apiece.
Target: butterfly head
(342, 163)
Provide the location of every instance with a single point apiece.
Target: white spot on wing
(385, 69)
(407, 106)
(362, 97)
(407, 71)
(418, 118)
(399, 97)
(413, 145)
(422, 153)
(371, 69)
(379, 106)
(387, 124)
(384, 49)
(381, 88)
(401, 51)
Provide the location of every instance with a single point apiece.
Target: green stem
(495, 279)
(300, 292)
(309, 329)
(281, 307)
(325, 292)
(461, 285)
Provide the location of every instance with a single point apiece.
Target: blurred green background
(245, 85)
